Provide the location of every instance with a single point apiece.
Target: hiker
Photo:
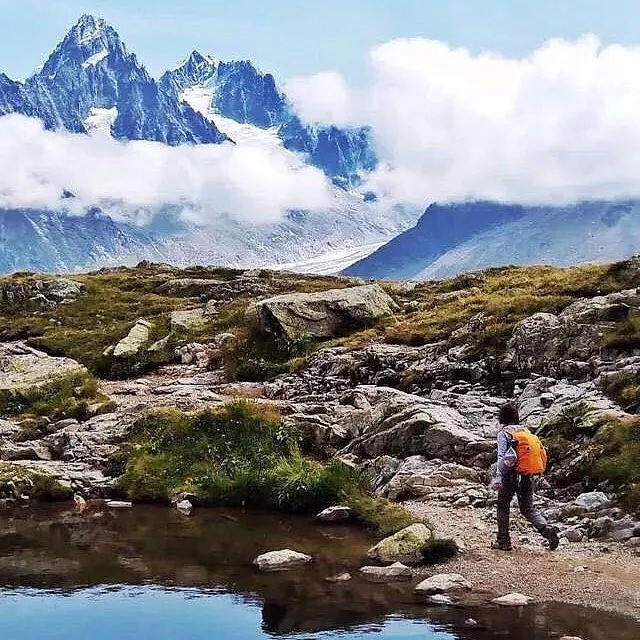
(521, 457)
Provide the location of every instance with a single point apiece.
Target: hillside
(270, 389)
(451, 239)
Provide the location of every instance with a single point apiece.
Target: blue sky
(292, 37)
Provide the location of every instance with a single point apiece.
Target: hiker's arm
(503, 445)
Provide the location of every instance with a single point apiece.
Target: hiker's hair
(508, 414)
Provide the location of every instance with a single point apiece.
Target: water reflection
(167, 568)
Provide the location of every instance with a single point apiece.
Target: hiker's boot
(551, 534)
(502, 545)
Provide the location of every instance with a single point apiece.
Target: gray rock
(405, 546)
(323, 314)
(512, 600)
(22, 368)
(592, 501)
(335, 514)
(281, 560)
(133, 342)
(38, 294)
(185, 319)
(118, 504)
(397, 572)
(184, 505)
(440, 600)
(400, 424)
(441, 583)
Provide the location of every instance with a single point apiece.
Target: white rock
(393, 573)
(281, 560)
(442, 582)
(184, 505)
(135, 339)
(334, 514)
(441, 600)
(512, 600)
(592, 501)
(118, 504)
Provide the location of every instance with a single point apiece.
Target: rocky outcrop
(22, 368)
(550, 344)
(401, 424)
(185, 319)
(320, 315)
(37, 294)
(407, 546)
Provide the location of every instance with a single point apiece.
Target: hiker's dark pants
(523, 487)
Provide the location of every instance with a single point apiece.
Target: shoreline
(602, 575)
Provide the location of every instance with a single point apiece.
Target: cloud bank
(250, 182)
(560, 125)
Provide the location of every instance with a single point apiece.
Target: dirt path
(602, 575)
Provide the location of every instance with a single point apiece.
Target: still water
(150, 573)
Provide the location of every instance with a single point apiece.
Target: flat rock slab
(22, 367)
(397, 572)
(512, 600)
(441, 583)
(186, 319)
(441, 600)
(281, 560)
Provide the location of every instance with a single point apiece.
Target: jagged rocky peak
(91, 42)
(195, 70)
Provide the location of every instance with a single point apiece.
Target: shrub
(242, 454)
(65, 396)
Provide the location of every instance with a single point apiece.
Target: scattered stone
(396, 572)
(335, 514)
(440, 600)
(184, 506)
(405, 546)
(441, 583)
(580, 569)
(512, 600)
(281, 560)
(470, 622)
(592, 501)
(342, 577)
(137, 337)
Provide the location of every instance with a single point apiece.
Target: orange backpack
(532, 457)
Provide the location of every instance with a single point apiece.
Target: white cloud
(250, 182)
(322, 98)
(559, 125)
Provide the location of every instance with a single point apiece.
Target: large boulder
(407, 546)
(323, 314)
(37, 294)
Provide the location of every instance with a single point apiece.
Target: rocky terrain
(403, 381)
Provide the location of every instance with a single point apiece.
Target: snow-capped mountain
(53, 241)
(239, 92)
(91, 71)
(92, 83)
(451, 239)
